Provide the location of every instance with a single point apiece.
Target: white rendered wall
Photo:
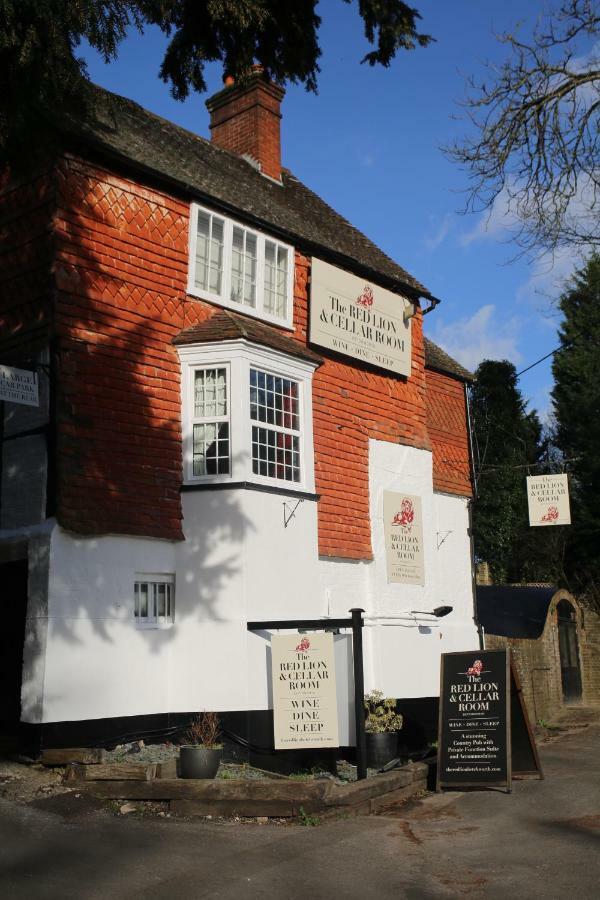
(97, 663)
(402, 651)
(240, 562)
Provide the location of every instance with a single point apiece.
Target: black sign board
(483, 725)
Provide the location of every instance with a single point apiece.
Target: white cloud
(483, 335)
(549, 275)
(440, 234)
(541, 401)
(496, 222)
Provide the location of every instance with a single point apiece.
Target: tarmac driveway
(541, 841)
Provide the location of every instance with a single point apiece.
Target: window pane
(275, 454)
(243, 267)
(276, 269)
(162, 600)
(136, 600)
(210, 393)
(211, 449)
(209, 252)
(143, 601)
(278, 404)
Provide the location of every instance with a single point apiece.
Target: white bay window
(247, 416)
(240, 268)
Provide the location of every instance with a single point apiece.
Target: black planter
(199, 762)
(381, 748)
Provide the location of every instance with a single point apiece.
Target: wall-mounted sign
(18, 386)
(548, 498)
(403, 530)
(484, 732)
(304, 694)
(359, 319)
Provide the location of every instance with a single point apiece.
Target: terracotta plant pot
(381, 748)
(199, 762)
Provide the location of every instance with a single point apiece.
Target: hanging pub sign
(484, 733)
(548, 498)
(403, 531)
(359, 319)
(19, 386)
(304, 691)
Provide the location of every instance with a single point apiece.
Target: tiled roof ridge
(437, 358)
(237, 321)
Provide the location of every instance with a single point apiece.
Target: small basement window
(154, 601)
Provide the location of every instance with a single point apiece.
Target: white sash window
(240, 268)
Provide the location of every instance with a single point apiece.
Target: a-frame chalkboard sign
(485, 737)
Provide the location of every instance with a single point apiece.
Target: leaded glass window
(274, 406)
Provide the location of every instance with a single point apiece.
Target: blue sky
(369, 143)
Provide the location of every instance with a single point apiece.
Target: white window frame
(222, 299)
(205, 420)
(240, 356)
(153, 621)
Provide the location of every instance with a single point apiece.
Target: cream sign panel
(403, 529)
(304, 694)
(548, 498)
(359, 319)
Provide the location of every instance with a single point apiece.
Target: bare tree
(536, 145)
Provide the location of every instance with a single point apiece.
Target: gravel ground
(142, 754)
(23, 782)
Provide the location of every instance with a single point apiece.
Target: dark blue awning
(515, 612)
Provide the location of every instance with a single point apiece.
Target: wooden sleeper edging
(243, 797)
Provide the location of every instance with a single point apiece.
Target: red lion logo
(551, 515)
(366, 298)
(406, 516)
(476, 669)
(303, 646)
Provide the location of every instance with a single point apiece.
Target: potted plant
(382, 724)
(201, 755)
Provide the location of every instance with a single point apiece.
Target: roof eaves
(87, 137)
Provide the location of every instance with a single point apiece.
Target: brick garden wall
(538, 661)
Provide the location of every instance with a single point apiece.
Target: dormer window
(240, 268)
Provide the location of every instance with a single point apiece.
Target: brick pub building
(200, 456)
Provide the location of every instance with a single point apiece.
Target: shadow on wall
(119, 406)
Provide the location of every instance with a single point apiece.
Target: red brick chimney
(246, 120)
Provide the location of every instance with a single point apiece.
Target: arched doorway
(569, 652)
